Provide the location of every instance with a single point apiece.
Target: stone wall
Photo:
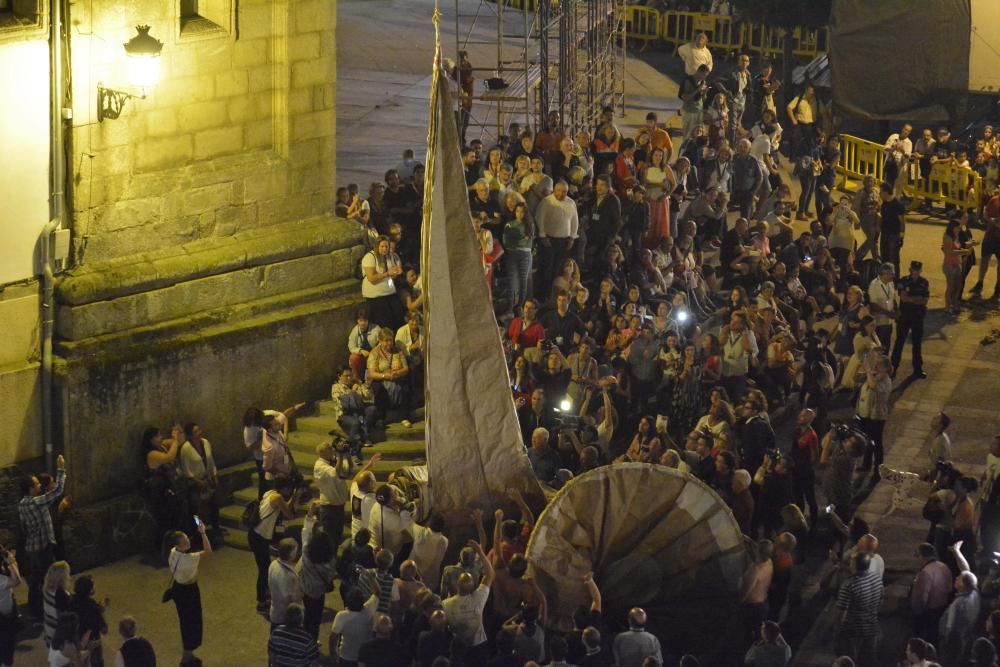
(20, 384)
(238, 135)
(198, 333)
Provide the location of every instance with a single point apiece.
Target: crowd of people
(659, 300)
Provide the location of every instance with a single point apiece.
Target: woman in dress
(55, 597)
(658, 179)
(381, 267)
(685, 403)
(184, 591)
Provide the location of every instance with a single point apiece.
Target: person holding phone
(184, 589)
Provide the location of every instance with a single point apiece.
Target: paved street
(382, 108)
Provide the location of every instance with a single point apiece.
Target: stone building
(204, 271)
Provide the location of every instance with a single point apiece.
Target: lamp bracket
(111, 102)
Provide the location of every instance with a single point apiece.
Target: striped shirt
(291, 647)
(860, 598)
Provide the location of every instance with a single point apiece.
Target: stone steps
(404, 446)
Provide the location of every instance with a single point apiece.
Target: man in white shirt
(390, 523)
(558, 226)
(429, 548)
(883, 302)
(695, 54)
(283, 581)
(330, 478)
(465, 610)
(898, 148)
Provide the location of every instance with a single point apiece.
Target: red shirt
(806, 449)
(525, 337)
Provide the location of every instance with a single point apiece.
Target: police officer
(914, 291)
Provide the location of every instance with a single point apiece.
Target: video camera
(564, 419)
(842, 431)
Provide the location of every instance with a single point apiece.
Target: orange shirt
(660, 138)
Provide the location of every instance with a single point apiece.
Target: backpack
(359, 272)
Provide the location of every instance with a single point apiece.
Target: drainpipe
(58, 213)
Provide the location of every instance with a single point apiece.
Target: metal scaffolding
(551, 55)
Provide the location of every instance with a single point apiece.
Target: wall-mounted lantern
(143, 52)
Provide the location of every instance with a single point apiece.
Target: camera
(547, 345)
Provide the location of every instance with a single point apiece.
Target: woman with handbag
(184, 590)
(10, 578)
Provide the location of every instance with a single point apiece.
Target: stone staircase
(399, 447)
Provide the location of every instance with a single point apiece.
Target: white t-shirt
(354, 628)
(465, 615)
(268, 514)
(184, 565)
(389, 528)
(428, 553)
(361, 508)
(383, 287)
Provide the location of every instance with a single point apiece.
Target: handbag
(168, 594)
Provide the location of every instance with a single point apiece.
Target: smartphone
(197, 521)
(828, 509)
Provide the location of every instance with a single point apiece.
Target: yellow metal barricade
(642, 24)
(680, 27)
(946, 184)
(770, 42)
(859, 158)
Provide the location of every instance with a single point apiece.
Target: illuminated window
(20, 19)
(205, 18)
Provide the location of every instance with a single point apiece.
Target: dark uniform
(911, 320)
